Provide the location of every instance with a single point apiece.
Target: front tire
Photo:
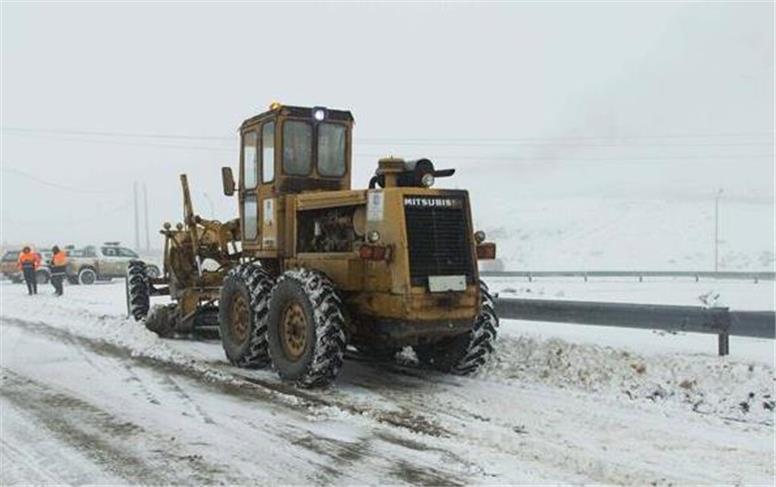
(306, 329)
(242, 315)
(161, 320)
(465, 354)
(137, 290)
(87, 277)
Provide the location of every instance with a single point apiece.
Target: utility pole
(145, 210)
(716, 229)
(137, 218)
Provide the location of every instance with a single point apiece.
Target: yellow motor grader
(312, 266)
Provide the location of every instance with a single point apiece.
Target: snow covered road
(89, 396)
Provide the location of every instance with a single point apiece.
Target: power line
(454, 157)
(385, 140)
(53, 184)
(114, 134)
(582, 159)
(72, 221)
(129, 144)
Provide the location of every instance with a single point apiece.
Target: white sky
(440, 72)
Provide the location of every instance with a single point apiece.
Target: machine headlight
(427, 180)
(479, 236)
(373, 236)
(319, 114)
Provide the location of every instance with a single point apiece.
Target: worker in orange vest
(28, 263)
(58, 267)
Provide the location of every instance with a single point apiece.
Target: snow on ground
(105, 401)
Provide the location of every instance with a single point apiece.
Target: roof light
(319, 114)
(427, 180)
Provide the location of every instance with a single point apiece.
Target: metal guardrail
(719, 321)
(697, 275)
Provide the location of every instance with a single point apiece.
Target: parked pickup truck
(102, 263)
(10, 270)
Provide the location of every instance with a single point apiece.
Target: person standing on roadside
(58, 266)
(28, 263)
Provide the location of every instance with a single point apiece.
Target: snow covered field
(89, 396)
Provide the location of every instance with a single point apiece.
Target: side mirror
(227, 180)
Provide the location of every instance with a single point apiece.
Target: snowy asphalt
(88, 396)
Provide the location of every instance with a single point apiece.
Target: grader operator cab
(312, 266)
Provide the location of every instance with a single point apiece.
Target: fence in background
(640, 275)
(719, 321)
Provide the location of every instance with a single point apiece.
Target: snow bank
(708, 385)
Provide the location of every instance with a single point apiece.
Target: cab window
(268, 152)
(331, 149)
(250, 217)
(124, 252)
(297, 147)
(250, 160)
(108, 251)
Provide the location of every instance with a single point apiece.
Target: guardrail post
(586, 277)
(723, 344)
(722, 323)
(530, 277)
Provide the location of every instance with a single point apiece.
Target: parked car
(102, 263)
(10, 270)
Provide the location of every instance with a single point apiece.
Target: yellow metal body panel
(381, 288)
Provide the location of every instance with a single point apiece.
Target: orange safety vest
(59, 259)
(30, 258)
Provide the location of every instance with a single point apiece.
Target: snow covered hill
(635, 215)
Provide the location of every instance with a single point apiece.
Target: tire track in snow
(116, 445)
(237, 385)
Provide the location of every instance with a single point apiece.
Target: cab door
(268, 202)
(249, 183)
(110, 264)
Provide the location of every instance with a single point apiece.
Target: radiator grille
(438, 238)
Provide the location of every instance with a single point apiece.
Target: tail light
(374, 252)
(486, 251)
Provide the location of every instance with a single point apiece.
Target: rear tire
(87, 277)
(465, 354)
(242, 315)
(137, 290)
(306, 329)
(42, 277)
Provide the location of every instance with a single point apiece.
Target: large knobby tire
(306, 329)
(137, 290)
(242, 315)
(465, 354)
(161, 320)
(152, 271)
